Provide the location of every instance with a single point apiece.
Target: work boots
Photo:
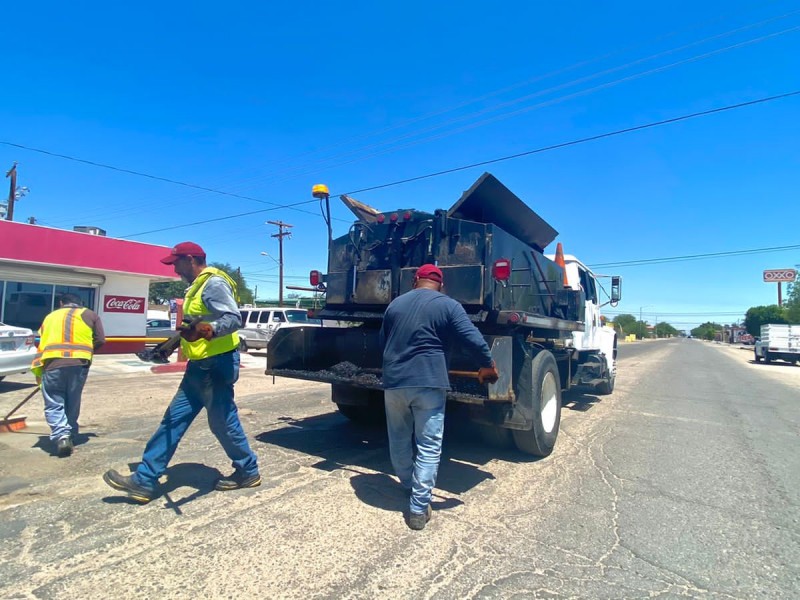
(64, 447)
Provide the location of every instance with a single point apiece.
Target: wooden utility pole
(280, 235)
(12, 173)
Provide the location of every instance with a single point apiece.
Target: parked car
(17, 350)
(259, 324)
(159, 328)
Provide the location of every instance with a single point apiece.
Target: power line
(651, 261)
(579, 141)
(509, 157)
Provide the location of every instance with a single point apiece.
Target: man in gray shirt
(212, 349)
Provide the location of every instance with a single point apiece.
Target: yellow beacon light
(320, 190)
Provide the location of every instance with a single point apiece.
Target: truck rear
(540, 316)
(778, 342)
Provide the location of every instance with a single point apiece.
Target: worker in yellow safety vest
(69, 337)
(212, 347)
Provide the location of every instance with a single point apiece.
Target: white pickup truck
(778, 342)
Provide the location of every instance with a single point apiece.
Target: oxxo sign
(123, 304)
(777, 275)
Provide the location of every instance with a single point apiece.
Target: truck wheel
(495, 436)
(607, 387)
(361, 406)
(757, 357)
(767, 357)
(539, 387)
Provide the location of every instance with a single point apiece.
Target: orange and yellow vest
(63, 334)
(193, 306)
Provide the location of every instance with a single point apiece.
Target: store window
(27, 304)
(86, 294)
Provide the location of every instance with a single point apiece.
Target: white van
(259, 324)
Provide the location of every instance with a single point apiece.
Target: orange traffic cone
(560, 262)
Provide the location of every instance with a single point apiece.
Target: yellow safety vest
(193, 306)
(63, 334)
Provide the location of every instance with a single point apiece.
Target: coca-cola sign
(123, 304)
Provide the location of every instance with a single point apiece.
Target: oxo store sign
(774, 275)
(123, 304)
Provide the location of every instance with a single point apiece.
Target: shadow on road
(579, 400)
(343, 445)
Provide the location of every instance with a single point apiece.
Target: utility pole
(280, 235)
(12, 173)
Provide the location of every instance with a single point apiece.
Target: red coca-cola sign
(123, 304)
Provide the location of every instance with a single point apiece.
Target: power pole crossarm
(280, 235)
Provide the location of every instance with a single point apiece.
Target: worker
(68, 338)
(418, 330)
(211, 346)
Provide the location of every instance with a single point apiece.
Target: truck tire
(607, 387)
(767, 357)
(539, 388)
(361, 406)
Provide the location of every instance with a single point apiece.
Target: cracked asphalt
(682, 483)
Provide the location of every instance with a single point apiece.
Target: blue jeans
(207, 383)
(417, 412)
(62, 389)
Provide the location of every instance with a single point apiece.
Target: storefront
(111, 276)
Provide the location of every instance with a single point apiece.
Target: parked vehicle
(259, 324)
(540, 316)
(778, 342)
(17, 350)
(159, 328)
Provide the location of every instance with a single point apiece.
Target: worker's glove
(488, 374)
(201, 331)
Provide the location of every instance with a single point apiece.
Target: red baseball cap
(431, 272)
(183, 249)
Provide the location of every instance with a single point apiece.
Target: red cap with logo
(183, 249)
(431, 272)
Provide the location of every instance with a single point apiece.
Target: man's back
(418, 329)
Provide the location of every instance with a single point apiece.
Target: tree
(761, 315)
(707, 331)
(624, 323)
(665, 330)
(792, 303)
(162, 293)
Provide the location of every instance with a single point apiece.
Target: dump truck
(540, 315)
(778, 342)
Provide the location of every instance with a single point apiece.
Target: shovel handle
(18, 406)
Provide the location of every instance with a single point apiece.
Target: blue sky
(265, 100)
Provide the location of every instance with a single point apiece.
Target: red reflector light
(381, 218)
(310, 313)
(393, 218)
(315, 277)
(513, 318)
(501, 270)
(407, 215)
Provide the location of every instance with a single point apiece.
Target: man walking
(69, 337)
(212, 349)
(418, 329)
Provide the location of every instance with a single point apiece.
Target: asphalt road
(683, 483)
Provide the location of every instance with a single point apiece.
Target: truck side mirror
(616, 289)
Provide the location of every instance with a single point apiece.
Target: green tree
(665, 330)
(162, 293)
(624, 324)
(707, 331)
(792, 303)
(757, 316)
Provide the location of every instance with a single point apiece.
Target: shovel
(17, 423)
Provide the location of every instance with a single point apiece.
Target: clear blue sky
(264, 100)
